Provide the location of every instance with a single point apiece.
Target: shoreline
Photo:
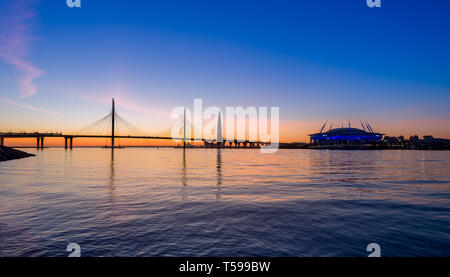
(311, 147)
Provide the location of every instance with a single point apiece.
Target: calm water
(159, 202)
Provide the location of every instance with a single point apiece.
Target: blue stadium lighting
(347, 135)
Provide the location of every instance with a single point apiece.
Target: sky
(316, 60)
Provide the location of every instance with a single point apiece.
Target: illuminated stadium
(346, 135)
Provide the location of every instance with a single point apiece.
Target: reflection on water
(225, 202)
(111, 179)
(219, 172)
(183, 176)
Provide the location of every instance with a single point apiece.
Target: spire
(363, 126)
(219, 129)
(323, 127)
(368, 127)
(184, 129)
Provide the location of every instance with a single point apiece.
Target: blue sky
(316, 60)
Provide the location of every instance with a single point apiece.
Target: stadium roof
(348, 130)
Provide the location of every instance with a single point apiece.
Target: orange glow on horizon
(290, 131)
(88, 142)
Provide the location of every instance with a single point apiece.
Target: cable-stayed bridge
(113, 127)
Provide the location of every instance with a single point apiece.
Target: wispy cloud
(15, 39)
(29, 107)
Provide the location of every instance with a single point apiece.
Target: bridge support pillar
(37, 142)
(2, 141)
(65, 143)
(71, 143)
(42, 142)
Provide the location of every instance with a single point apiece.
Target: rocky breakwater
(7, 154)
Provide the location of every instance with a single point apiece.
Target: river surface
(205, 202)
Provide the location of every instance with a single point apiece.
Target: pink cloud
(15, 39)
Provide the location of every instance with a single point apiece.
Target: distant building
(414, 142)
(347, 135)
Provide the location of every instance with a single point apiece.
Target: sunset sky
(316, 60)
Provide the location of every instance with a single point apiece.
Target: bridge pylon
(113, 113)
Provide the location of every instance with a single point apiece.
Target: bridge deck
(56, 135)
(112, 118)
(60, 135)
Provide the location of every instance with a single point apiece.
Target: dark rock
(7, 154)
